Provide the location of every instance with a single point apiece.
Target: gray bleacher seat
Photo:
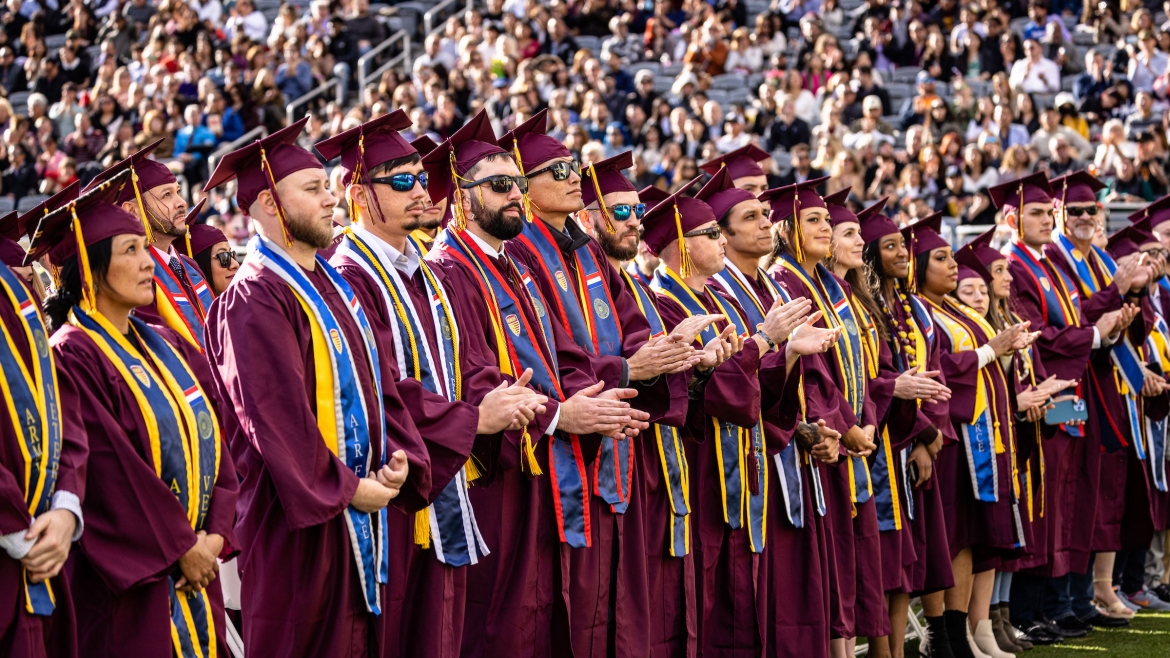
(653, 67)
(739, 96)
(1066, 82)
(1044, 101)
(53, 42)
(19, 101)
(1017, 25)
(783, 160)
(1084, 39)
(718, 95)
(727, 81)
(7, 205)
(590, 42)
(663, 83)
(904, 74)
(29, 202)
(672, 69)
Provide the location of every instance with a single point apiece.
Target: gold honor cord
(609, 227)
(264, 164)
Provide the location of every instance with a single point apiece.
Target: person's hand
(782, 318)
(920, 385)
(1154, 384)
(811, 339)
(717, 350)
(394, 473)
(198, 566)
(1004, 341)
(661, 355)
(1127, 267)
(1052, 385)
(858, 442)
(638, 418)
(510, 407)
(371, 495)
(1108, 324)
(920, 457)
(687, 330)
(53, 532)
(1033, 402)
(828, 450)
(586, 412)
(1128, 313)
(214, 544)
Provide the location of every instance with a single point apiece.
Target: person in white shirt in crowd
(208, 10)
(1113, 148)
(1035, 73)
(734, 136)
(247, 19)
(1050, 126)
(1147, 64)
(627, 46)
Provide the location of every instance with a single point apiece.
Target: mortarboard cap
(198, 234)
(1156, 213)
(669, 220)
(838, 213)
(721, 194)
(1077, 187)
(788, 201)
(924, 235)
(741, 163)
(262, 164)
(607, 176)
(530, 145)
(368, 146)
(29, 220)
(150, 173)
(1128, 241)
(11, 253)
(457, 155)
(978, 254)
(968, 273)
(874, 224)
(424, 144)
(1034, 188)
(652, 196)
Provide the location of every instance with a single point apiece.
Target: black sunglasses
(714, 233)
(501, 183)
(1074, 211)
(622, 211)
(560, 170)
(225, 259)
(402, 182)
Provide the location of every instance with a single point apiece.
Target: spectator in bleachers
(193, 142)
(787, 129)
(49, 81)
(247, 20)
(1143, 117)
(1035, 73)
(1050, 127)
(914, 109)
(745, 57)
(802, 168)
(84, 143)
(977, 174)
(1149, 163)
(139, 12)
(294, 77)
(558, 42)
(1125, 186)
(1147, 63)
(1114, 145)
(20, 179)
(621, 43)
(12, 77)
(1061, 160)
(1038, 19)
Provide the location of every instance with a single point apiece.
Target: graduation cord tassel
(520, 166)
(187, 237)
(87, 300)
(797, 234)
(609, 228)
(142, 209)
(422, 527)
(685, 264)
(1020, 215)
(912, 280)
(457, 214)
(471, 470)
(288, 241)
(528, 446)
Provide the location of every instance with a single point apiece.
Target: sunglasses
(501, 183)
(1072, 211)
(622, 211)
(714, 233)
(560, 170)
(402, 182)
(226, 258)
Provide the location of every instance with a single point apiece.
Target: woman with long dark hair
(145, 574)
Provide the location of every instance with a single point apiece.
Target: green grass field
(1147, 637)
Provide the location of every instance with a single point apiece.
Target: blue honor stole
(518, 349)
(739, 450)
(184, 445)
(791, 458)
(347, 427)
(34, 409)
(451, 519)
(186, 316)
(676, 474)
(837, 311)
(586, 310)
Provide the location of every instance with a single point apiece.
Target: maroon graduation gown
(1027, 370)
(135, 530)
(987, 528)
(23, 634)
(656, 593)
(512, 593)
(423, 605)
(299, 586)
(1065, 352)
(727, 583)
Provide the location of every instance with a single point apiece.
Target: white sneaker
(984, 637)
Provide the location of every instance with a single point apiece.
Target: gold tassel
(1020, 215)
(87, 299)
(422, 527)
(912, 280)
(142, 210)
(797, 234)
(471, 470)
(520, 166)
(529, 448)
(609, 228)
(457, 215)
(188, 237)
(288, 241)
(685, 264)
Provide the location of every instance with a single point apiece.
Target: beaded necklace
(902, 338)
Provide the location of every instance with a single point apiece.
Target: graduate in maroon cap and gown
(212, 252)
(144, 579)
(589, 299)
(743, 166)
(797, 566)
(182, 296)
(432, 217)
(42, 471)
(287, 338)
(655, 586)
(450, 396)
(1046, 297)
(734, 601)
(534, 493)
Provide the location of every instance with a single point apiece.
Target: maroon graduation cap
(530, 144)
(978, 254)
(740, 163)
(11, 253)
(652, 195)
(1077, 187)
(29, 220)
(1014, 195)
(201, 236)
(787, 202)
(969, 273)
(369, 145)
(261, 165)
(874, 224)
(146, 174)
(1128, 240)
(92, 217)
(838, 213)
(424, 144)
(449, 161)
(1154, 214)
(670, 219)
(922, 237)
(605, 177)
(722, 195)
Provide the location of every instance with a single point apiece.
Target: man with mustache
(318, 432)
(181, 296)
(432, 217)
(454, 397)
(1112, 393)
(589, 299)
(516, 598)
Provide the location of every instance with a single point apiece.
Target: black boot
(957, 632)
(936, 644)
